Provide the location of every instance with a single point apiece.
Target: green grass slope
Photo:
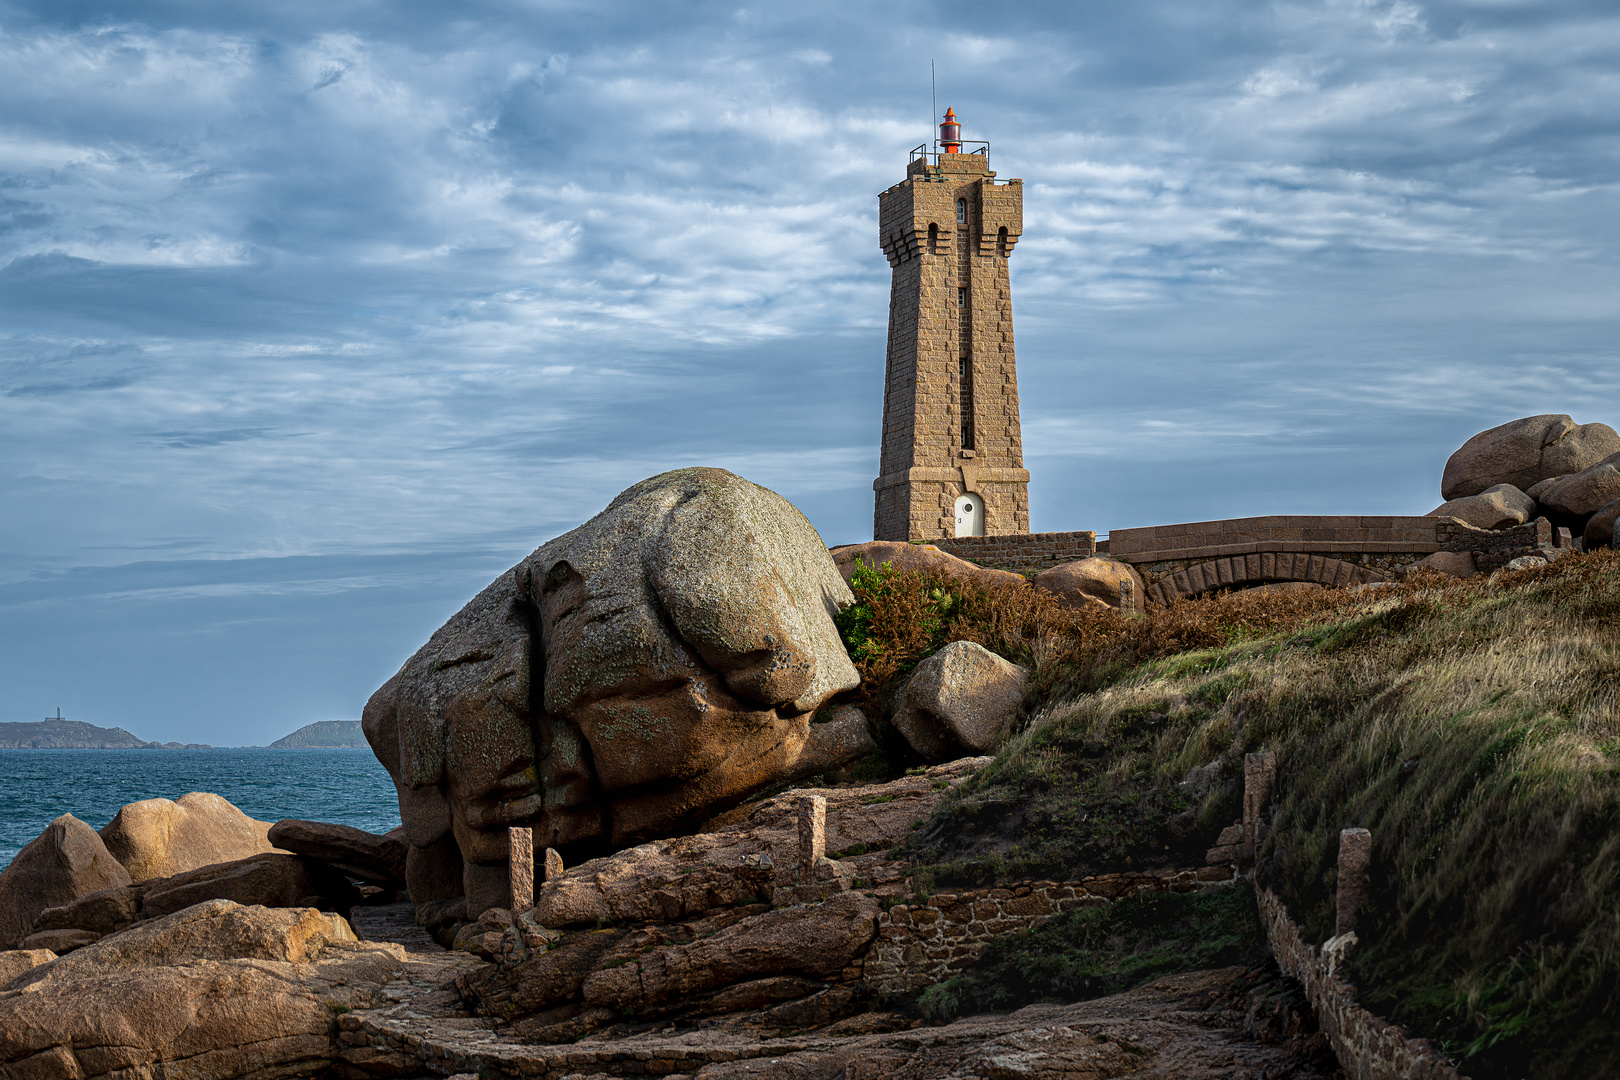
(1471, 726)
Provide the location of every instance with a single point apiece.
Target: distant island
(324, 735)
(59, 734)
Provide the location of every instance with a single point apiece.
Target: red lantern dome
(950, 133)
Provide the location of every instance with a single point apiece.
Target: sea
(349, 787)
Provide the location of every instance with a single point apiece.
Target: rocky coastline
(667, 806)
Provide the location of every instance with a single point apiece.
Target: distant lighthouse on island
(953, 459)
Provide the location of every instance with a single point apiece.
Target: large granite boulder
(275, 880)
(1524, 452)
(61, 864)
(918, 557)
(355, 852)
(1092, 582)
(157, 838)
(1499, 507)
(1600, 528)
(661, 661)
(1580, 495)
(215, 991)
(960, 702)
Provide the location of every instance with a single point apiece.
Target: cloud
(330, 281)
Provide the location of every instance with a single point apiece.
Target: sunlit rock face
(628, 678)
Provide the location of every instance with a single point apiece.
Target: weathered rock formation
(918, 557)
(960, 701)
(662, 660)
(1094, 581)
(1524, 452)
(275, 880)
(61, 864)
(1600, 527)
(217, 990)
(359, 854)
(1581, 494)
(157, 838)
(1494, 508)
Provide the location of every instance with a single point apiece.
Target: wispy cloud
(328, 280)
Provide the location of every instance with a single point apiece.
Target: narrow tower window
(933, 239)
(961, 211)
(961, 298)
(1001, 242)
(964, 371)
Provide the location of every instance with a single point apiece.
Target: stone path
(1187, 1026)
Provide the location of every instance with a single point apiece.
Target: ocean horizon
(346, 786)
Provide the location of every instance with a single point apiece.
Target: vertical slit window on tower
(961, 298)
(933, 239)
(964, 371)
(1001, 242)
(961, 211)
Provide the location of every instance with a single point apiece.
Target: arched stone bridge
(1185, 560)
(1198, 557)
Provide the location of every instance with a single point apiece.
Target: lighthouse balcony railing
(921, 151)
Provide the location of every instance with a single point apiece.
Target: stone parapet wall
(1495, 549)
(920, 945)
(1338, 535)
(1022, 553)
(1365, 1045)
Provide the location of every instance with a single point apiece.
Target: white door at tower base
(970, 515)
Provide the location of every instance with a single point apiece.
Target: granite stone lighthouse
(953, 456)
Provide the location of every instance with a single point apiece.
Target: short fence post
(554, 865)
(520, 844)
(1259, 776)
(1355, 859)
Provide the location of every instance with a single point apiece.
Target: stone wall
(1022, 553)
(1494, 550)
(1365, 1045)
(920, 945)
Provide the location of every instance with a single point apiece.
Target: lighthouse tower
(953, 456)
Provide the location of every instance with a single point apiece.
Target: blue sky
(316, 316)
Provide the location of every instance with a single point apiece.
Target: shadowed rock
(1600, 529)
(61, 864)
(1582, 494)
(353, 851)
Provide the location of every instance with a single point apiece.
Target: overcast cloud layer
(316, 316)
